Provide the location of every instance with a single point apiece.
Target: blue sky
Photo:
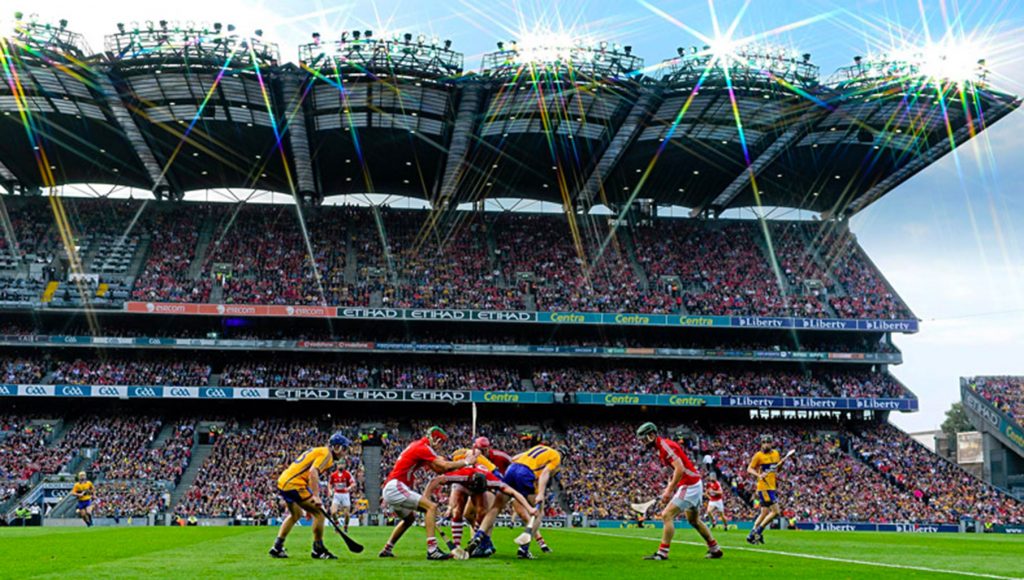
(951, 239)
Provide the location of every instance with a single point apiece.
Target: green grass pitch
(241, 552)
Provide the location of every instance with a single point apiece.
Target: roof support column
(131, 130)
(625, 135)
(462, 132)
(790, 136)
(298, 138)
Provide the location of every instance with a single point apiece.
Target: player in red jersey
(684, 492)
(716, 502)
(405, 502)
(500, 459)
(342, 486)
(477, 483)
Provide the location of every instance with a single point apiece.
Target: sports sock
(713, 545)
(388, 547)
(431, 543)
(663, 550)
(540, 540)
(457, 533)
(278, 543)
(318, 545)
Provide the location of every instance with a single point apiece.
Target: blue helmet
(340, 439)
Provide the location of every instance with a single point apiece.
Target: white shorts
(341, 500)
(402, 500)
(717, 505)
(689, 497)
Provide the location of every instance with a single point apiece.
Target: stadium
(169, 355)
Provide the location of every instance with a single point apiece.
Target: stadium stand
(509, 261)
(1006, 393)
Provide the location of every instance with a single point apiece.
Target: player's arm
(678, 471)
(442, 465)
(519, 498)
(755, 468)
(542, 484)
(314, 484)
(434, 484)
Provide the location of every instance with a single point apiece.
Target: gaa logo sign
(35, 390)
(8, 390)
(214, 394)
(179, 392)
(146, 392)
(108, 392)
(72, 391)
(250, 394)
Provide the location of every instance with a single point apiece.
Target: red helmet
(481, 443)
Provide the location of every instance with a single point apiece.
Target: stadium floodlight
(63, 23)
(368, 34)
(18, 15)
(951, 60)
(722, 50)
(259, 32)
(120, 27)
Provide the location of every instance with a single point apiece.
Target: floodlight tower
(383, 105)
(205, 100)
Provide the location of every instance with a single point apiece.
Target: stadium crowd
(24, 451)
(833, 381)
(505, 261)
(838, 473)
(949, 492)
(124, 371)
(1006, 393)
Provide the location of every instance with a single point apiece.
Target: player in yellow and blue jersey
(529, 473)
(299, 486)
(84, 491)
(764, 466)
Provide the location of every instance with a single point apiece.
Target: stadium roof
(174, 110)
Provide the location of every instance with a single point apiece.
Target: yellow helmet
(460, 454)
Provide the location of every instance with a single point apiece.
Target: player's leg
(457, 505)
(692, 516)
(429, 509)
(773, 512)
(320, 552)
(481, 545)
(88, 514)
(752, 536)
(668, 531)
(408, 519)
(294, 515)
(346, 511)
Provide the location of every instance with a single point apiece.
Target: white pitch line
(816, 557)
